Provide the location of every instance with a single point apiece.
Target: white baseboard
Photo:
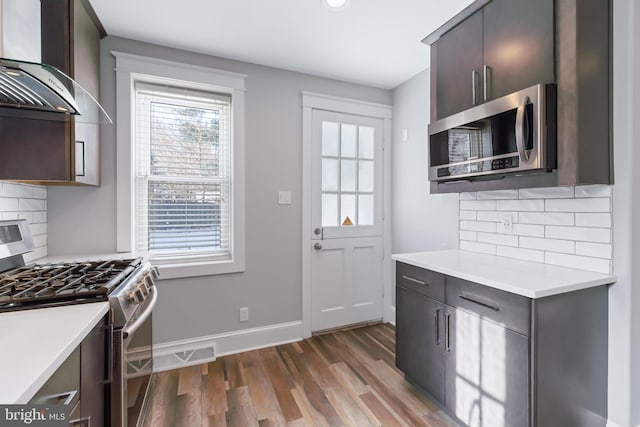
(197, 350)
(389, 315)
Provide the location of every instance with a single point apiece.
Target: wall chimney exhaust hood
(40, 87)
(29, 89)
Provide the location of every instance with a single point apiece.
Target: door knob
(317, 246)
(317, 231)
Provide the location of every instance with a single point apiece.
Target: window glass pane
(348, 140)
(330, 139)
(329, 210)
(185, 141)
(366, 142)
(365, 176)
(348, 210)
(329, 175)
(348, 175)
(185, 216)
(365, 209)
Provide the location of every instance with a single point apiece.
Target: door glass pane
(365, 209)
(329, 210)
(365, 176)
(348, 140)
(348, 175)
(366, 144)
(330, 139)
(348, 210)
(329, 175)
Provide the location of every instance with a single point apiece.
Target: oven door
(133, 366)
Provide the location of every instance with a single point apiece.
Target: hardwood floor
(345, 378)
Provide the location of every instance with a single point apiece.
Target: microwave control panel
(481, 166)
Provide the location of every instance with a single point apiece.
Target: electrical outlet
(506, 224)
(244, 314)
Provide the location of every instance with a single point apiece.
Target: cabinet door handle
(480, 301)
(436, 316)
(447, 333)
(414, 280)
(110, 355)
(487, 80)
(475, 78)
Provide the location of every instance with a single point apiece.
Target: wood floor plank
(261, 389)
(241, 411)
(282, 383)
(216, 390)
(342, 378)
(387, 419)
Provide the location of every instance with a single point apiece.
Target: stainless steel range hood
(40, 87)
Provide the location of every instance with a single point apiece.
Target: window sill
(180, 270)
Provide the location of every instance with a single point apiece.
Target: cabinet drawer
(510, 310)
(63, 387)
(425, 282)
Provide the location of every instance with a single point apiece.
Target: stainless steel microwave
(509, 135)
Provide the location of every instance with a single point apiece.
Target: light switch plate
(284, 197)
(405, 135)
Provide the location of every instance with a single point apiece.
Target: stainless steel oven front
(133, 356)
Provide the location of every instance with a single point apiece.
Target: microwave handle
(521, 142)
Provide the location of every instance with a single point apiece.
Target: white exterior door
(346, 219)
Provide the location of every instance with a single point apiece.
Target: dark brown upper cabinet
(524, 42)
(39, 150)
(503, 47)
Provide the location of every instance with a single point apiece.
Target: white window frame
(131, 68)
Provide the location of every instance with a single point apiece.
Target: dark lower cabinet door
(420, 340)
(92, 377)
(518, 45)
(458, 67)
(487, 372)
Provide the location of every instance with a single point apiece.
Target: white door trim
(311, 101)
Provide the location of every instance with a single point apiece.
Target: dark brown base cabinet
(491, 358)
(80, 382)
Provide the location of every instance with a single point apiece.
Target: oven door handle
(141, 319)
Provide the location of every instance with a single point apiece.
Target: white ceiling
(374, 42)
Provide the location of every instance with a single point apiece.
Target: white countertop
(34, 343)
(526, 278)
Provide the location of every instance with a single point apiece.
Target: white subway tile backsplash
(582, 234)
(471, 236)
(468, 215)
(8, 204)
(546, 193)
(566, 226)
(22, 201)
(519, 253)
(498, 239)
(528, 230)
(478, 247)
(468, 196)
(32, 204)
(478, 205)
(552, 245)
(496, 216)
(575, 261)
(593, 191)
(593, 220)
(601, 204)
(521, 205)
(498, 194)
(546, 218)
(488, 227)
(597, 250)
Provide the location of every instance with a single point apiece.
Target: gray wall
(83, 220)
(421, 221)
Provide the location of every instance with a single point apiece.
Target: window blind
(183, 172)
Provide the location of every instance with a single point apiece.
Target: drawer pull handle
(84, 422)
(414, 280)
(437, 324)
(58, 399)
(481, 301)
(447, 335)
